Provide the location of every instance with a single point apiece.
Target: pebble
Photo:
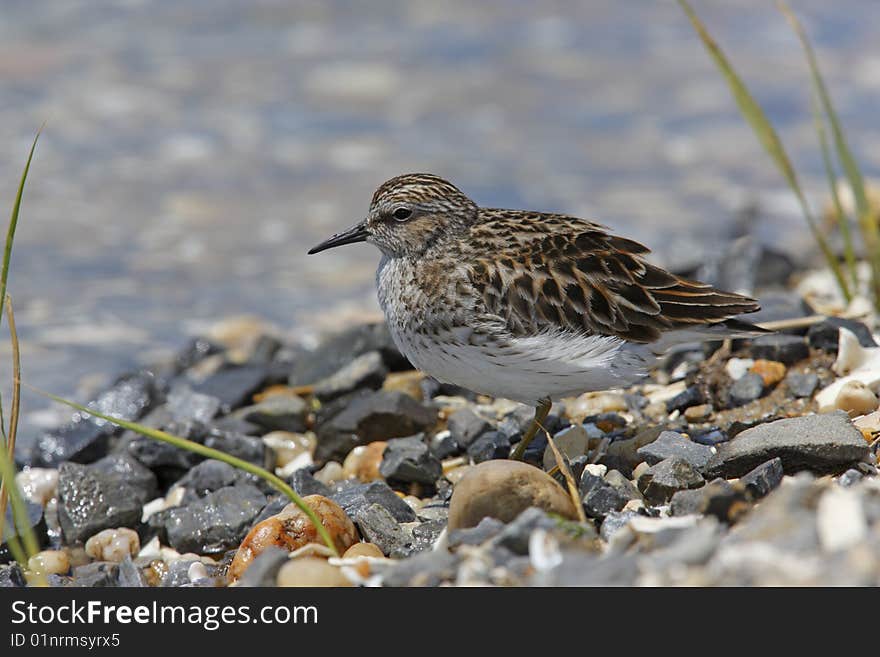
(719, 498)
(12, 576)
(247, 448)
(771, 371)
(49, 562)
(234, 384)
(850, 477)
(763, 479)
(409, 460)
(856, 399)
(288, 445)
(736, 368)
(692, 396)
(786, 349)
(366, 371)
(378, 526)
(823, 443)
(573, 441)
(746, 389)
(288, 413)
(465, 426)
(802, 385)
(364, 461)
(409, 383)
(330, 473)
(503, 489)
(311, 571)
(699, 413)
(599, 498)
(490, 445)
(825, 334)
(659, 482)
(840, 519)
(291, 530)
(185, 404)
(304, 483)
(363, 550)
(113, 544)
(359, 496)
(39, 485)
(671, 444)
(594, 403)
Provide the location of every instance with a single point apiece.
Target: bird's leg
(541, 412)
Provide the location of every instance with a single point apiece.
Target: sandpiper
(529, 306)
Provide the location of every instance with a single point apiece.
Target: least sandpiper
(529, 306)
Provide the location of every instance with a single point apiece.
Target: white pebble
(840, 519)
(113, 544)
(856, 399)
(596, 469)
(50, 562)
(39, 485)
(330, 473)
(737, 368)
(197, 571)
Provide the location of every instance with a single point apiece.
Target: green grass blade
(768, 138)
(19, 510)
(210, 453)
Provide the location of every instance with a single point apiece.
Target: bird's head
(407, 215)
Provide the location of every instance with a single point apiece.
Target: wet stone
(746, 389)
(107, 494)
(693, 396)
(376, 416)
(358, 497)
(215, 523)
(96, 574)
(672, 444)
(234, 385)
(35, 522)
(129, 575)
(426, 534)
(211, 475)
(409, 460)
(183, 403)
(661, 481)
(802, 385)
(278, 413)
(366, 371)
(787, 349)
(247, 448)
(11, 576)
(465, 426)
(86, 438)
(825, 334)
(487, 528)
(763, 479)
(490, 445)
(821, 443)
(443, 445)
(304, 483)
(263, 570)
(378, 526)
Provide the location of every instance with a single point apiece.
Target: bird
(528, 306)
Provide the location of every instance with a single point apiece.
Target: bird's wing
(547, 271)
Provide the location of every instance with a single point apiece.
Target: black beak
(357, 233)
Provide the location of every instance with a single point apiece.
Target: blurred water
(195, 149)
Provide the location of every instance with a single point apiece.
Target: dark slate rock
(178, 574)
(215, 523)
(624, 486)
(465, 426)
(850, 478)
(409, 460)
(600, 498)
(263, 570)
(11, 576)
(584, 569)
(211, 475)
(129, 575)
(426, 534)
(359, 496)
(825, 334)
(487, 528)
(277, 413)
(443, 445)
(86, 438)
(378, 526)
(304, 483)
(96, 574)
(821, 443)
(35, 521)
(614, 521)
(802, 385)
(763, 479)
(264, 351)
(195, 351)
(710, 436)
(248, 448)
(673, 444)
(107, 494)
(183, 403)
(167, 461)
(661, 481)
(377, 416)
(515, 536)
(273, 507)
(366, 371)
(339, 350)
(429, 568)
(490, 445)
(786, 349)
(746, 389)
(719, 498)
(234, 385)
(693, 396)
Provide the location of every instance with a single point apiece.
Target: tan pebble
(771, 371)
(113, 544)
(50, 562)
(330, 473)
(291, 529)
(455, 475)
(276, 391)
(699, 413)
(655, 410)
(639, 470)
(592, 403)
(856, 399)
(363, 462)
(39, 485)
(288, 445)
(77, 556)
(409, 383)
(311, 571)
(502, 489)
(363, 550)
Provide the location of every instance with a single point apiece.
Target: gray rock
(109, 493)
(614, 521)
(36, 522)
(129, 575)
(429, 568)
(763, 479)
(692, 396)
(746, 389)
(572, 441)
(409, 460)
(443, 445)
(263, 570)
(247, 448)
(465, 426)
(426, 534)
(211, 475)
(304, 483)
(622, 454)
(183, 403)
(11, 575)
(822, 443)
(786, 349)
(378, 526)
(355, 498)
(487, 528)
(661, 481)
(672, 444)
(515, 536)
(802, 385)
(719, 498)
(277, 413)
(86, 438)
(850, 478)
(490, 445)
(825, 334)
(623, 485)
(365, 371)
(96, 574)
(234, 385)
(376, 416)
(602, 499)
(215, 523)
(178, 574)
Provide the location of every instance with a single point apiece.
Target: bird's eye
(402, 214)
